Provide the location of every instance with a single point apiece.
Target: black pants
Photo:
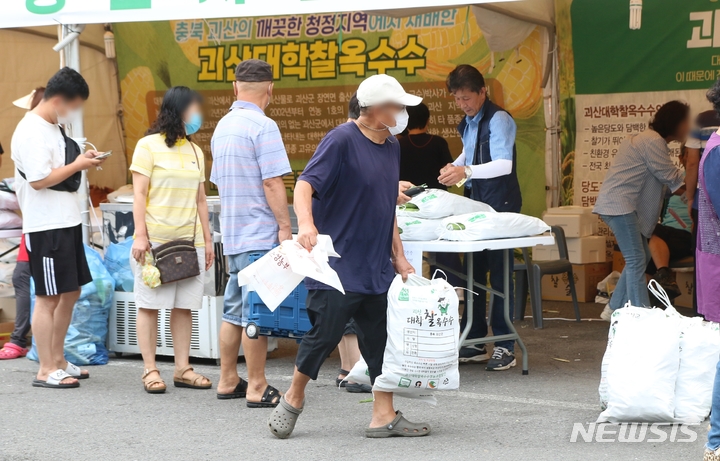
(329, 311)
(21, 283)
(483, 262)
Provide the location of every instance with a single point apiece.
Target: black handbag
(178, 259)
(72, 151)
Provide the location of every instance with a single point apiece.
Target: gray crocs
(283, 418)
(399, 427)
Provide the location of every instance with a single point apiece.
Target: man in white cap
(348, 191)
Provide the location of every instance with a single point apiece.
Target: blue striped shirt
(636, 180)
(247, 149)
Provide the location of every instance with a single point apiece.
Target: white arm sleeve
(460, 161)
(494, 169)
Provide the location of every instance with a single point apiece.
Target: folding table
(414, 251)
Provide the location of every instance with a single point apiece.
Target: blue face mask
(194, 124)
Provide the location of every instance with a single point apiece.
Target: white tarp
(25, 13)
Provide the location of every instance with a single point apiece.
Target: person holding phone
(52, 221)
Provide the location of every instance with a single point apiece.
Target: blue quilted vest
(503, 192)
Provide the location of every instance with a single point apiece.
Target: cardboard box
(6, 329)
(686, 282)
(581, 250)
(576, 221)
(587, 276)
(618, 260)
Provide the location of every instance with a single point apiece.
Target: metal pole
(76, 129)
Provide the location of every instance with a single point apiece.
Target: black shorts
(679, 242)
(57, 260)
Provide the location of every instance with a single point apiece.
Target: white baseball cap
(383, 89)
(25, 102)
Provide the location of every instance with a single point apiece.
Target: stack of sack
(9, 206)
(659, 366)
(438, 214)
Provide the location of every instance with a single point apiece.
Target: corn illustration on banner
(318, 60)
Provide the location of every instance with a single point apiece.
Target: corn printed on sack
(490, 225)
(423, 330)
(438, 204)
(417, 228)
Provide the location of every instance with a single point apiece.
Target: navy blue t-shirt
(356, 187)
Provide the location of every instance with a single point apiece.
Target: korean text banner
(613, 79)
(25, 13)
(318, 61)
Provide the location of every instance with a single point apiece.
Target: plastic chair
(522, 284)
(542, 268)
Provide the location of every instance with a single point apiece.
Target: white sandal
(54, 381)
(75, 371)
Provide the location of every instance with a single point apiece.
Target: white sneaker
(606, 313)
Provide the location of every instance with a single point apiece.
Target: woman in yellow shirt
(170, 204)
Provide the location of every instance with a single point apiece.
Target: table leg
(469, 298)
(506, 309)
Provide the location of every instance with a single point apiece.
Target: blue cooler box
(290, 319)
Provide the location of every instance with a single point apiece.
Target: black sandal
(341, 382)
(270, 399)
(239, 392)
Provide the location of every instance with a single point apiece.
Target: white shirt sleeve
(36, 160)
(494, 169)
(460, 161)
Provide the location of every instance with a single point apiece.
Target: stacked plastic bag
(117, 262)
(438, 214)
(87, 334)
(423, 327)
(659, 366)
(9, 205)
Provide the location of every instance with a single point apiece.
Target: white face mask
(401, 122)
(68, 118)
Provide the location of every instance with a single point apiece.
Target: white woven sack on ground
(640, 366)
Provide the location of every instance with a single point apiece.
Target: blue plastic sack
(117, 262)
(87, 334)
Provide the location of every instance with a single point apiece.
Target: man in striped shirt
(249, 160)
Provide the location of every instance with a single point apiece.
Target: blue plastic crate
(290, 319)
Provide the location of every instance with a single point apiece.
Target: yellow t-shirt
(175, 176)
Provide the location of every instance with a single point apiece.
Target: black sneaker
(474, 354)
(664, 277)
(502, 359)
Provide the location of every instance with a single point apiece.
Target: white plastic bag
(490, 225)
(640, 366)
(423, 328)
(699, 355)
(359, 373)
(10, 220)
(437, 204)
(280, 271)
(8, 201)
(411, 229)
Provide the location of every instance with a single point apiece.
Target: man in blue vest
(488, 167)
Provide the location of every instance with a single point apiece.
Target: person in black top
(422, 154)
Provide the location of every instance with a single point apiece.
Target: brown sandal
(190, 383)
(150, 384)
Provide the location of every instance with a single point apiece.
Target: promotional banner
(674, 55)
(25, 13)
(318, 61)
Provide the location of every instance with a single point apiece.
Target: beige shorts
(184, 294)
